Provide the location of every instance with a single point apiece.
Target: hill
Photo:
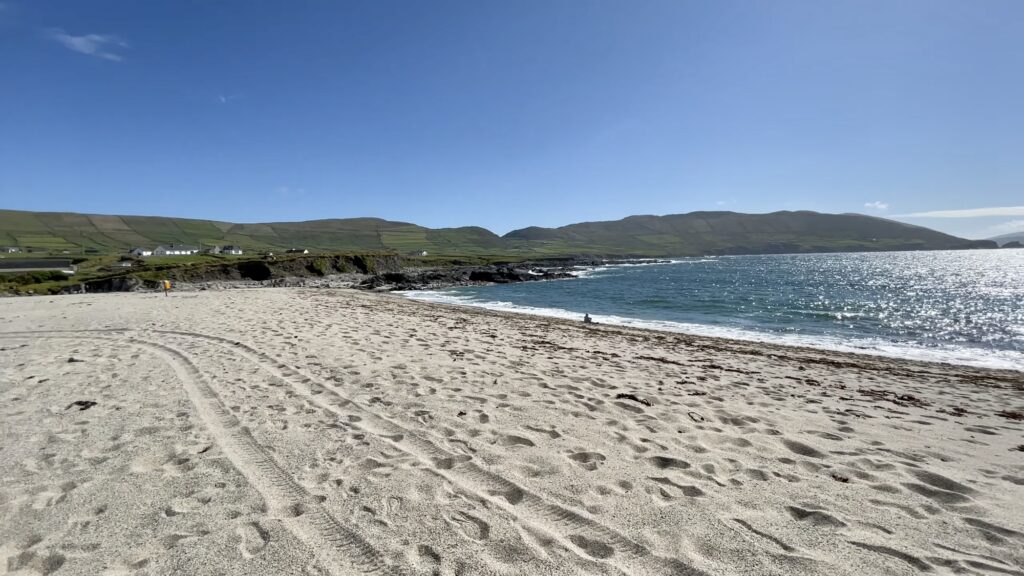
(1007, 238)
(699, 233)
(72, 231)
(695, 233)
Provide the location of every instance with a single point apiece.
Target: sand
(300, 431)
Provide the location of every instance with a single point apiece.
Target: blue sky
(508, 114)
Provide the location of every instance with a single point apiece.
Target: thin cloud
(1007, 227)
(877, 205)
(98, 45)
(225, 99)
(969, 213)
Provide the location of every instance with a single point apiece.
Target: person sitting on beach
(587, 319)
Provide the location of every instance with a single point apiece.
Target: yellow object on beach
(167, 284)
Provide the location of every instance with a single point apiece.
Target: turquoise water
(964, 307)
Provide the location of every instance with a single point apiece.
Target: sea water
(964, 307)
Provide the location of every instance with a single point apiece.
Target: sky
(510, 114)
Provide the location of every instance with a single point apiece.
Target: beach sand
(299, 431)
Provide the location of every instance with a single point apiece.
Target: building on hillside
(120, 265)
(232, 250)
(10, 250)
(140, 252)
(297, 251)
(175, 250)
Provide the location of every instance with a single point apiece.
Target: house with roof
(175, 250)
(140, 252)
(231, 250)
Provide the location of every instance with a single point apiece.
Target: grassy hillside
(674, 235)
(60, 231)
(699, 233)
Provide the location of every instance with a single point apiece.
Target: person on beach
(587, 319)
(167, 287)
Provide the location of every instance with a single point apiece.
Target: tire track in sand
(587, 538)
(339, 548)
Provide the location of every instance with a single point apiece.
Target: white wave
(591, 271)
(963, 355)
(588, 272)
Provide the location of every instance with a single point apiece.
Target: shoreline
(784, 350)
(925, 355)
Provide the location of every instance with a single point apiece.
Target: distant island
(692, 234)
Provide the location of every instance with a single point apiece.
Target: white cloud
(877, 205)
(225, 99)
(969, 213)
(98, 45)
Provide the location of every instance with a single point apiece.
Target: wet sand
(298, 431)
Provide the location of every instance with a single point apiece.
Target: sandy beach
(301, 431)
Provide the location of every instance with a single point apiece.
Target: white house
(297, 251)
(233, 250)
(140, 252)
(175, 250)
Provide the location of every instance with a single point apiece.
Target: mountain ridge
(689, 234)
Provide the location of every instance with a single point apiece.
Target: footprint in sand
(253, 539)
(53, 496)
(588, 460)
(470, 526)
(665, 462)
(593, 548)
(36, 562)
(509, 440)
(815, 518)
(802, 449)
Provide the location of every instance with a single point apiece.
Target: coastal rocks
(115, 284)
(464, 276)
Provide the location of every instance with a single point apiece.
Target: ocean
(963, 307)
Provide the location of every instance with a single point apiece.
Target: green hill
(673, 235)
(70, 231)
(699, 233)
